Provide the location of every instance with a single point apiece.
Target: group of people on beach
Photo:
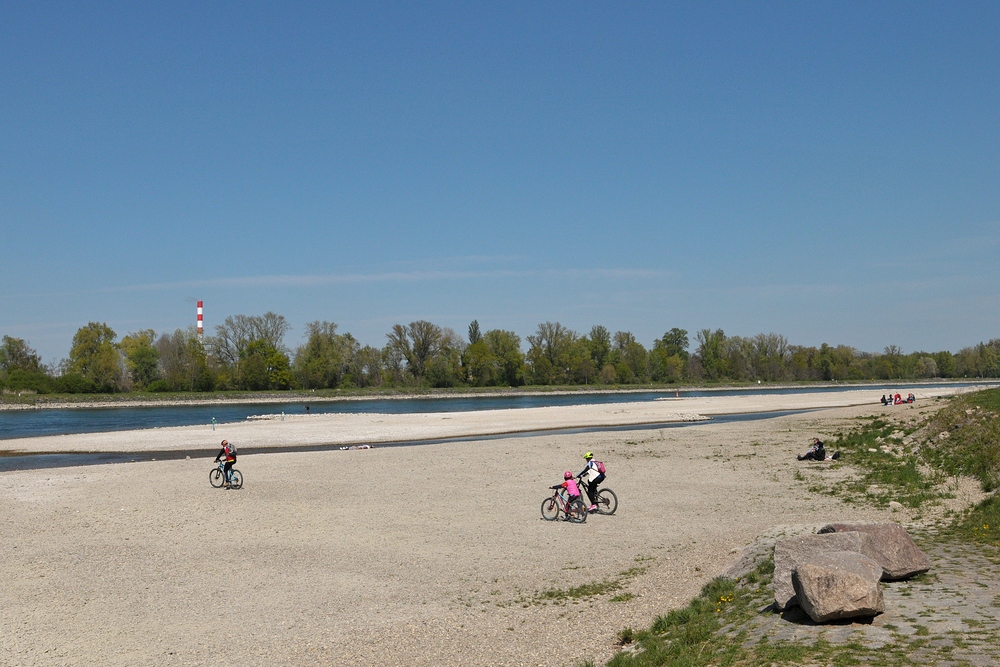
(590, 477)
(897, 399)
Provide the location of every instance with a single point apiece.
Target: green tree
(142, 359)
(945, 364)
(669, 356)
(892, 355)
(16, 355)
(599, 340)
(185, 364)
(674, 343)
(417, 343)
(474, 334)
(444, 369)
(366, 369)
(265, 367)
(630, 358)
(95, 356)
(325, 358)
(711, 353)
(582, 369)
(506, 349)
(550, 354)
(482, 367)
(21, 367)
(235, 334)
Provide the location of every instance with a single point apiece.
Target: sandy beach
(427, 555)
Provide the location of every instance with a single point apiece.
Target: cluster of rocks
(835, 573)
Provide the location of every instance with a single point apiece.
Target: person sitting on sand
(593, 478)
(230, 453)
(572, 490)
(818, 453)
(885, 401)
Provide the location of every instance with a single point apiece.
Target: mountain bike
(607, 500)
(216, 476)
(558, 503)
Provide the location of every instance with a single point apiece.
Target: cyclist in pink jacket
(572, 490)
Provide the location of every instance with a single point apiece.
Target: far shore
(142, 400)
(264, 432)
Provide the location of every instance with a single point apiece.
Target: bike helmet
(567, 475)
(588, 455)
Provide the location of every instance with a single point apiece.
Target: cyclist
(572, 490)
(594, 478)
(230, 453)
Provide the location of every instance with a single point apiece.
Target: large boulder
(839, 584)
(895, 550)
(788, 553)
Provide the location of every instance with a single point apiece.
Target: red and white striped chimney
(201, 322)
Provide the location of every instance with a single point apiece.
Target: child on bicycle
(593, 478)
(572, 490)
(230, 453)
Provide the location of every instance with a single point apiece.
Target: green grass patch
(981, 524)
(889, 469)
(963, 438)
(688, 636)
(593, 589)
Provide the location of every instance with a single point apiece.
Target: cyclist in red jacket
(230, 453)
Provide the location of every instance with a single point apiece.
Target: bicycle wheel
(215, 477)
(577, 511)
(607, 501)
(237, 479)
(550, 509)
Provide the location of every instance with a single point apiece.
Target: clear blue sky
(826, 171)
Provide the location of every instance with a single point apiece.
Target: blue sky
(826, 171)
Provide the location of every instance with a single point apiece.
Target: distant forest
(248, 353)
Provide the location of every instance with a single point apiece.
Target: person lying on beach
(818, 453)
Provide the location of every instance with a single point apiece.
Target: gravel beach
(426, 555)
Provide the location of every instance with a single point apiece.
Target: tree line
(248, 353)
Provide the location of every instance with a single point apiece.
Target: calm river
(31, 423)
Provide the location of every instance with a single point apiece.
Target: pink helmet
(567, 475)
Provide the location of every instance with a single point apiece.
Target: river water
(33, 423)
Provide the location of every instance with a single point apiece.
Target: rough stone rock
(839, 584)
(794, 550)
(895, 550)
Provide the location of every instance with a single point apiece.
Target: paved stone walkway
(948, 616)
